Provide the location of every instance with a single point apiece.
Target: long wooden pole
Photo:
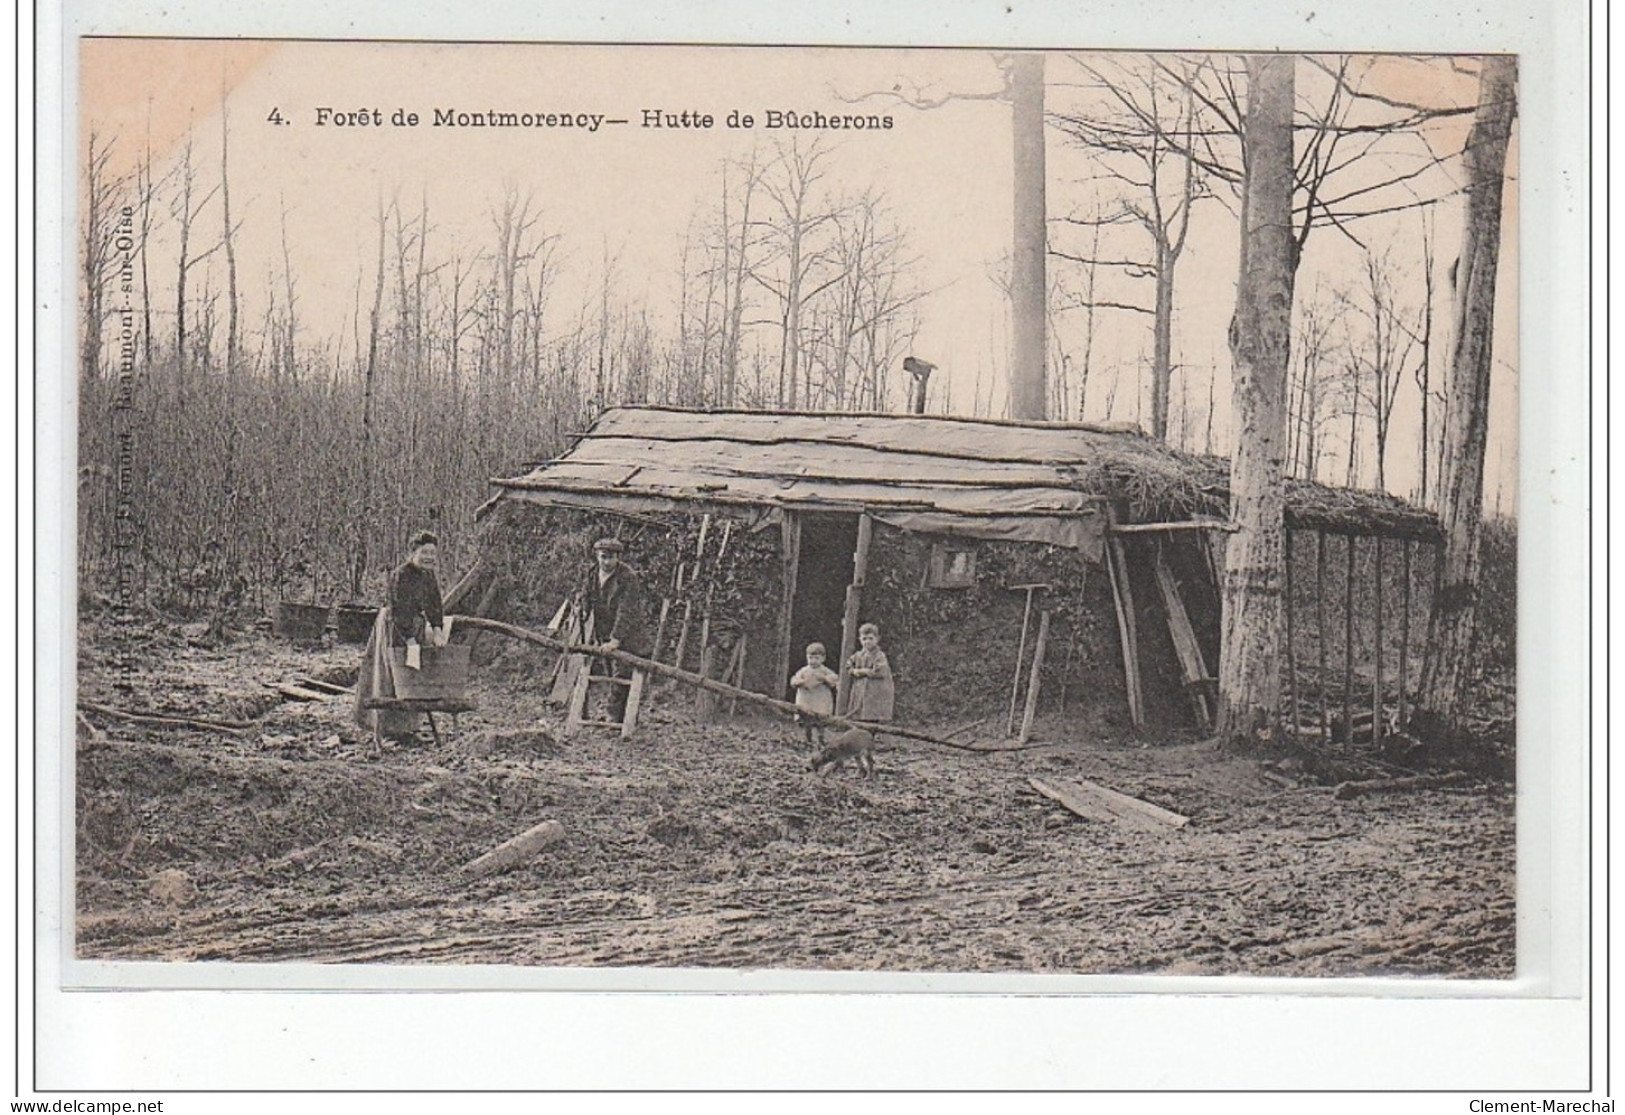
(660, 669)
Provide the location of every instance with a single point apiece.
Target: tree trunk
(1249, 670)
(1455, 606)
(1162, 360)
(227, 241)
(1029, 391)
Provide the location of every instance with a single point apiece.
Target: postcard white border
(1529, 1033)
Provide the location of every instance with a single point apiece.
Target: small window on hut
(952, 566)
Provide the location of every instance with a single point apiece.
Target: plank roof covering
(1042, 482)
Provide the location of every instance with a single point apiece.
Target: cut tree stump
(1347, 790)
(512, 853)
(1097, 803)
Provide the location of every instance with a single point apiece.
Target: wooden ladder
(581, 686)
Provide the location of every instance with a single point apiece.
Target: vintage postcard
(651, 515)
(868, 417)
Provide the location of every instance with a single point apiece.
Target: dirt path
(714, 847)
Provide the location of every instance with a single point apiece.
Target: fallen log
(294, 691)
(1348, 790)
(233, 726)
(512, 853)
(1097, 803)
(784, 708)
(305, 682)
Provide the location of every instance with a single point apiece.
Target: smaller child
(815, 685)
(873, 693)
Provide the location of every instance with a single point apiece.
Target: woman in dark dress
(413, 617)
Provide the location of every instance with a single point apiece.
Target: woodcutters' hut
(758, 532)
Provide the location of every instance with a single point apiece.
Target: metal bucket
(300, 623)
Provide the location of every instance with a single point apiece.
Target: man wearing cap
(613, 605)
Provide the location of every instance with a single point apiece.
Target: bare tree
(99, 259)
(1141, 124)
(228, 239)
(1381, 353)
(187, 207)
(1249, 659)
(1454, 618)
(795, 268)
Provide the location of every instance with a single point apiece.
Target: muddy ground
(714, 846)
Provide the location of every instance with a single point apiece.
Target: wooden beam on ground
(1166, 528)
(660, 669)
(1035, 677)
(516, 852)
(1347, 790)
(235, 727)
(1097, 803)
(317, 684)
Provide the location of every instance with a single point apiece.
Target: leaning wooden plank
(1096, 802)
(234, 726)
(1186, 647)
(1347, 790)
(1037, 675)
(513, 853)
(1123, 600)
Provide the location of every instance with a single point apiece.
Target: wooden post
(1376, 644)
(1123, 598)
(1291, 657)
(738, 675)
(634, 704)
(1320, 634)
(688, 603)
(1405, 635)
(578, 699)
(1348, 642)
(704, 703)
(1035, 676)
(854, 601)
(790, 551)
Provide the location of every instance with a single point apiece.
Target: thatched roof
(1021, 480)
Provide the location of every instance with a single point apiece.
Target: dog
(855, 744)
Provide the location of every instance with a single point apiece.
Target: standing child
(873, 693)
(815, 685)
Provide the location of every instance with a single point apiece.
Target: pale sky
(631, 192)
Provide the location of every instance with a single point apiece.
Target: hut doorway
(823, 570)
